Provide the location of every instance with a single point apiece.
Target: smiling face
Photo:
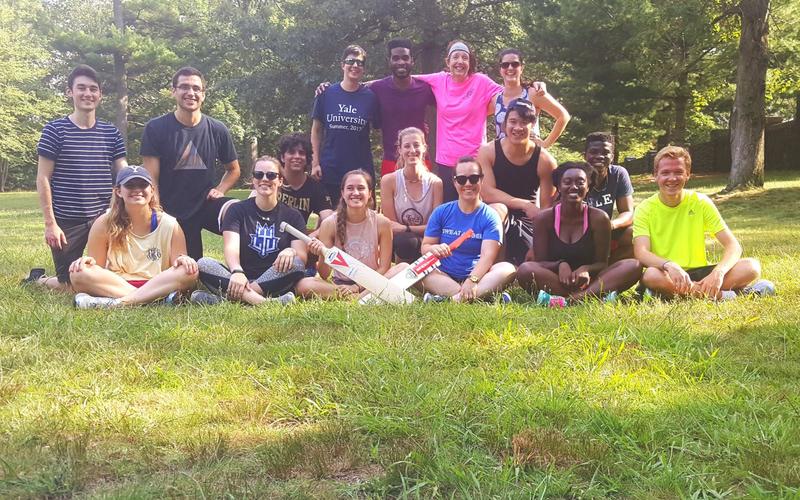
(471, 189)
(412, 148)
(135, 192)
(189, 93)
(511, 69)
(573, 186)
(266, 186)
(599, 155)
(85, 94)
(458, 63)
(353, 67)
(401, 62)
(356, 191)
(671, 176)
(518, 130)
(295, 159)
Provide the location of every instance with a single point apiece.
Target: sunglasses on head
(510, 64)
(522, 103)
(355, 62)
(271, 176)
(473, 179)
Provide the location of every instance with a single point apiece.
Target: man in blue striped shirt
(74, 178)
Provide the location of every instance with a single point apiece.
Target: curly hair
(558, 173)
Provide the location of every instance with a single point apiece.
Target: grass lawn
(664, 400)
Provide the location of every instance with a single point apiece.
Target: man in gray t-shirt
(613, 187)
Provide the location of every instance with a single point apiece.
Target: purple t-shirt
(401, 109)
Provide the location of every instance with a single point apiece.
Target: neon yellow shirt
(678, 233)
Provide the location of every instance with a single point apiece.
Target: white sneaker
(86, 301)
(429, 297)
(286, 299)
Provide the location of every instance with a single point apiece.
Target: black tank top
(520, 181)
(576, 254)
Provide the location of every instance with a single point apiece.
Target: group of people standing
(552, 228)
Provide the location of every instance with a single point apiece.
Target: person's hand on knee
(81, 263)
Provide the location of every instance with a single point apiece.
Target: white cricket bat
(377, 284)
(420, 267)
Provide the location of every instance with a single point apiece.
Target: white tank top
(410, 211)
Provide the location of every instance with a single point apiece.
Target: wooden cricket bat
(377, 284)
(420, 267)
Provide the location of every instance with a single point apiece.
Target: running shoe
(34, 275)
(761, 288)
(204, 298)
(86, 301)
(547, 300)
(429, 297)
(505, 298)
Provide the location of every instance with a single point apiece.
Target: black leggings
(406, 246)
(273, 283)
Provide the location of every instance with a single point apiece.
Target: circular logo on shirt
(412, 217)
(153, 254)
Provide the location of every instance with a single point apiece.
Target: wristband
(237, 271)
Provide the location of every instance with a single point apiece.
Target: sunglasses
(355, 62)
(522, 103)
(271, 176)
(510, 64)
(473, 179)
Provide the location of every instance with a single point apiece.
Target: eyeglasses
(271, 176)
(510, 64)
(473, 179)
(355, 62)
(186, 88)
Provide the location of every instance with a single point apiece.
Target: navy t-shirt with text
(188, 159)
(618, 185)
(346, 118)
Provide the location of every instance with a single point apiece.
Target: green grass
(664, 400)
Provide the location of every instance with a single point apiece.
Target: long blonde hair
(119, 222)
(341, 208)
(401, 163)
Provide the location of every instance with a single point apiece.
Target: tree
(747, 118)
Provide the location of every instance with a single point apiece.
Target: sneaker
(429, 297)
(761, 288)
(34, 275)
(173, 299)
(547, 300)
(505, 298)
(611, 297)
(203, 298)
(286, 299)
(86, 301)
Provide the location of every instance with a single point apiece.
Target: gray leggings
(273, 283)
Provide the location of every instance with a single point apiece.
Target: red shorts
(137, 283)
(389, 166)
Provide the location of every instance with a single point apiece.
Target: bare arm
(731, 251)
(230, 249)
(232, 173)
(153, 165)
(489, 251)
(625, 209)
(547, 164)
(552, 107)
(641, 250)
(53, 235)
(541, 240)
(601, 227)
(384, 245)
(177, 245)
(119, 164)
(388, 183)
(97, 244)
(316, 148)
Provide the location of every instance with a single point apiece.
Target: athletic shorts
(77, 233)
(518, 237)
(698, 273)
(137, 283)
(616, 234)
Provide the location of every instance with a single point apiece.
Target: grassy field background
(664, 400)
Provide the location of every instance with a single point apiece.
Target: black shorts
(518, 237)
(77, 233)
(698, 273)
(208, 218)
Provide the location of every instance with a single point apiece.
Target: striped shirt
(81, 181)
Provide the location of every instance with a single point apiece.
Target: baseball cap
(133, 172)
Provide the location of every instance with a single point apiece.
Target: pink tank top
(362, 242)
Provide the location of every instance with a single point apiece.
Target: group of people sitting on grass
(551, 228)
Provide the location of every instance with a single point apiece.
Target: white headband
(457, 46)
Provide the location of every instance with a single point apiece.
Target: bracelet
(664, 265)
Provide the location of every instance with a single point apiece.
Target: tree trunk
(3, 174)
(121, 76)
(681, 101)
(747, 118)
(253, 151)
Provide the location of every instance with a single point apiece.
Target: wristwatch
(474, 279)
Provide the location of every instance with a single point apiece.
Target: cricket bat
(378, 285)
(420, 267)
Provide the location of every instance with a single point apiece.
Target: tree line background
(653, 71)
